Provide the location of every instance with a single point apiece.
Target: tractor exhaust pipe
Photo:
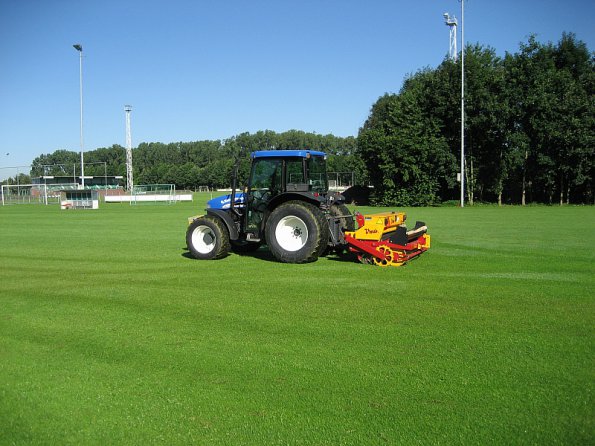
(234, 179)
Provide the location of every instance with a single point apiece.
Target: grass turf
(109, 333)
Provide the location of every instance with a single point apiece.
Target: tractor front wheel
(297, 232)
(207, 238)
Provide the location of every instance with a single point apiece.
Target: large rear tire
(297, 232)
(207, 238)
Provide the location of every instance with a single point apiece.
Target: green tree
(551, 99)
(406, 154)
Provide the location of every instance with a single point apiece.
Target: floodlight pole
(462, 103)
(452, 23)
(79, 48)
(129, 173)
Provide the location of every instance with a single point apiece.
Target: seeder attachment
(382, 239)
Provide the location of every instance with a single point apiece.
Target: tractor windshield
(317, 174)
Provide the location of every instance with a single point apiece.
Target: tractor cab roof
(285, 154)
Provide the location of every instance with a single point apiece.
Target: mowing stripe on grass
(109, 333)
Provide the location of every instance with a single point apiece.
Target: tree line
(529, 129)
(189, 165)
(529, 136)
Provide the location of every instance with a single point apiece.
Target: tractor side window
(295, 171)
(317, 174)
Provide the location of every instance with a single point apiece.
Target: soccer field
(111, 334)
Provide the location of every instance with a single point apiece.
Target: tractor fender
(229, 223)
(292, 196)
(336, 197)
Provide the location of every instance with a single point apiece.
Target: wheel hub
(203, 239)
(291, 233)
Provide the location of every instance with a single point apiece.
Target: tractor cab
(277, 176)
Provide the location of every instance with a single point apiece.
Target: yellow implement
(383, 239)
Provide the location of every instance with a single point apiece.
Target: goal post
(33, 193)
(153, 193)
(24, 194)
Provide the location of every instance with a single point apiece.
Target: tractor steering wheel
(261, 194)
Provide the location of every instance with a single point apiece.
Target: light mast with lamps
(79, 48)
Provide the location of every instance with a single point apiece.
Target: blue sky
(195, 70)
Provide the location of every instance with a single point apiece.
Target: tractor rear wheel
(297, 232)
(340, 211)
(346, 223)
(207, 238)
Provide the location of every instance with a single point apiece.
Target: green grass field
(110, 334)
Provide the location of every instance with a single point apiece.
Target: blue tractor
(286, 205)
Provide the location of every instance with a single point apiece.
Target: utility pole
(129, 179)
(462, 103)
(79, 48)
